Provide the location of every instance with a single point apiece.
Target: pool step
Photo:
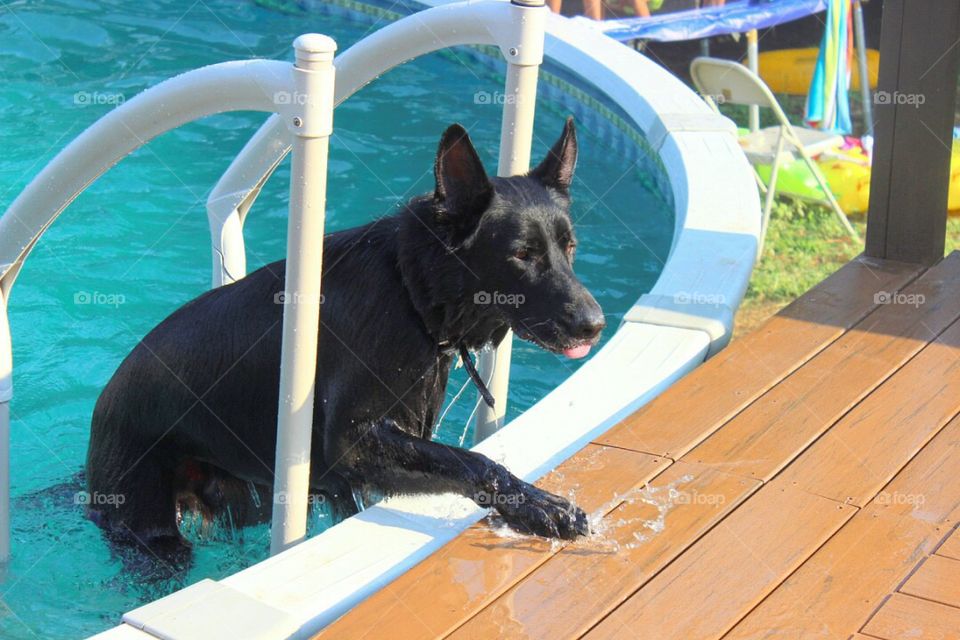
(184, 615)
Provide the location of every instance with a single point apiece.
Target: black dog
(189, 419)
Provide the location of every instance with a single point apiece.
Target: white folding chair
(730, 82)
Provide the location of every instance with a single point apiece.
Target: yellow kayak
(790, 70)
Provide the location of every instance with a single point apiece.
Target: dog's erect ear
(557, 168)
(462, 184)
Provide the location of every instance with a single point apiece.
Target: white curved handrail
(257, 85)
(478, 23)
(230, 86)
(515, 27)
(250, 85)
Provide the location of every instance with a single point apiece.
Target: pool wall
(685, 318)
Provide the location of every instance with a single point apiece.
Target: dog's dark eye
(522, 254)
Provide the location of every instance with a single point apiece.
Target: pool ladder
(301, 97)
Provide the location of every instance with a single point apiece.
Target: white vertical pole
(753, 62)
(516, 137)
(6, 393)
(311, 123)
(861, 43)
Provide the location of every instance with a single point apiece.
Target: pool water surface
(135, 246)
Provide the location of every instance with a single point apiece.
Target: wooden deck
(804, 483)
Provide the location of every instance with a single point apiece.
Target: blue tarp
(738, 16)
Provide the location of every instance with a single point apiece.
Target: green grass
(805, 244)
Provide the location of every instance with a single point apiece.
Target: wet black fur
(189, 419)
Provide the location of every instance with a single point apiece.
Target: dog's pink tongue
(577, 352)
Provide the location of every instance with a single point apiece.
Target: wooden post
(915, 101)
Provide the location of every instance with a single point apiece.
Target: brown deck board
(814, 466)
(728, 571)
(783, 422)
(951, 546)
(573, 590)
(860, 454)
(937, 579)
(848, 578)
(904, 616)
(738, 375)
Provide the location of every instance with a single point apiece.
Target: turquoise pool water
(135, 246)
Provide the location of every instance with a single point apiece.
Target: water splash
(607, 527)
(664, 499)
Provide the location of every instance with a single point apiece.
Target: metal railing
(301, 97)
(516, 28)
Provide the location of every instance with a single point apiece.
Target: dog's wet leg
(135, 502)
(383, 455)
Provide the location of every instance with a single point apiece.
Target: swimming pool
(135, 246)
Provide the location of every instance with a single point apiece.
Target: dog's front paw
(534, 511)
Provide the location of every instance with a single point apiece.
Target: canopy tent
(739, 16)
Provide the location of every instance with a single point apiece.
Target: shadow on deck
(800, 484)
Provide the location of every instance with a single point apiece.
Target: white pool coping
(668, 332)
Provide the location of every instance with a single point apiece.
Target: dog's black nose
(588, 324)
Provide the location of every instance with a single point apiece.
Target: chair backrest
(727, 81)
